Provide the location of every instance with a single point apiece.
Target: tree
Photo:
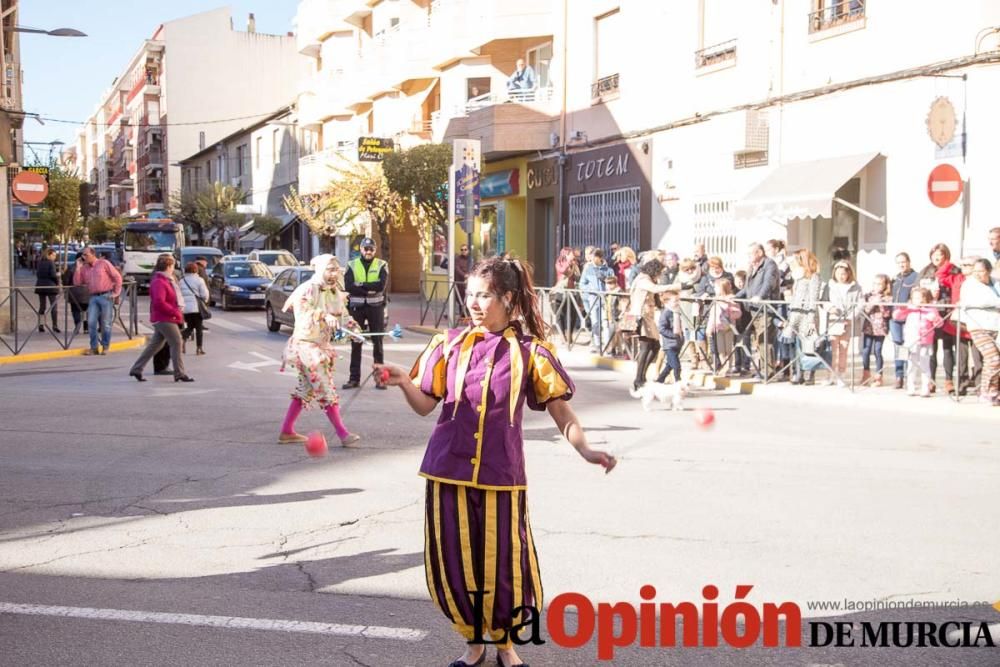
(360, 194)
(317, 211)
(183, 208)
(61, 217)
(211, 205)
(105, 229)
(229, 224)
(267, 226)
(420, 177)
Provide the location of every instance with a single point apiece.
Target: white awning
(804, 189)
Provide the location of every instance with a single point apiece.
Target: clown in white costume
(318, 304)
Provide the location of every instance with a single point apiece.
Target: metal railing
(761, 343)
(717, 53)
(836, 13)
(25, 319)
(605, 88)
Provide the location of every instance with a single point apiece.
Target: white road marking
(181, 391)
(230, 622)
(255, 366)
(229, 326)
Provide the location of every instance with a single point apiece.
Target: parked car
(273, 258)
(278, 292)
(111, 253)
(234, 258)
(238, 284)
(191, 252)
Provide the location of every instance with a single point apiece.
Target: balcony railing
(604, 89)
(835, 13)
(715, 54)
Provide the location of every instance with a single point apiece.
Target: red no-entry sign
(30, 188)
(944, 185)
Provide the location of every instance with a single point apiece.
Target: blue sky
(64, 77)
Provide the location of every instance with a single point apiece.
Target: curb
(132, 344)
(698, 378)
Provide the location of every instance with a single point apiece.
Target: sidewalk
(42, 346)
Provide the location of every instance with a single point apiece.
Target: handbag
(630, 323)
(203, 309)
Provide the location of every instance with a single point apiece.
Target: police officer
(365, 281)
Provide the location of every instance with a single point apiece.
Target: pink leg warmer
(333, 414)
(294, 408)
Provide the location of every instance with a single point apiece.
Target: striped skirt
(477, 540)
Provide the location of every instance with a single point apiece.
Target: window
(477, 87)
(208, 171)
(719, 25)
(256, 155)
(239, 160)
(540, 60)
(276, 146)
(714, 226)
(607, 47)
(153, 113)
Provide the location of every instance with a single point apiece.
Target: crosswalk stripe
(217, 321)
(229, 622)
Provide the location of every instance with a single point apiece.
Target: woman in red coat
(166, 315)
(944, 279)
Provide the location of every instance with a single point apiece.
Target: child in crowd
(611, 312)
(875, 328)
(743, 329)
(920, 321)
(723, 315)
(671, 336)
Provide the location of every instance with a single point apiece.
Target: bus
(144, 241)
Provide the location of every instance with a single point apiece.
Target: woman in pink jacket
(166, 316)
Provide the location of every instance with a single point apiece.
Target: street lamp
(58, 32)
(51, 144)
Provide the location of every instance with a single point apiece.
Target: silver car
(279, 291)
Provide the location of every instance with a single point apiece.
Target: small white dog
(658, 391)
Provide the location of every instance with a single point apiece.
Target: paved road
(172, 502)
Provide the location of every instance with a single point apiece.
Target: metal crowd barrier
(571, 313)
(21, 304)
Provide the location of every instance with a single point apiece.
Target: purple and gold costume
(477, 533)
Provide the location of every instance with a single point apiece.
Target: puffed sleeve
(549, 380)
(430, 372)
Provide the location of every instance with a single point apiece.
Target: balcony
(317, 169)
(505, 124)
(837, 13)
(323, 94)
(151, 196)
(470, 26)
(11, 85)
(154, 159)
(318, 18)
(717, 56)
(604, 89)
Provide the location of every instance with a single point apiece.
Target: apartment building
(262, 160)
(662, 124)
(195, 79)
(419, 71)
